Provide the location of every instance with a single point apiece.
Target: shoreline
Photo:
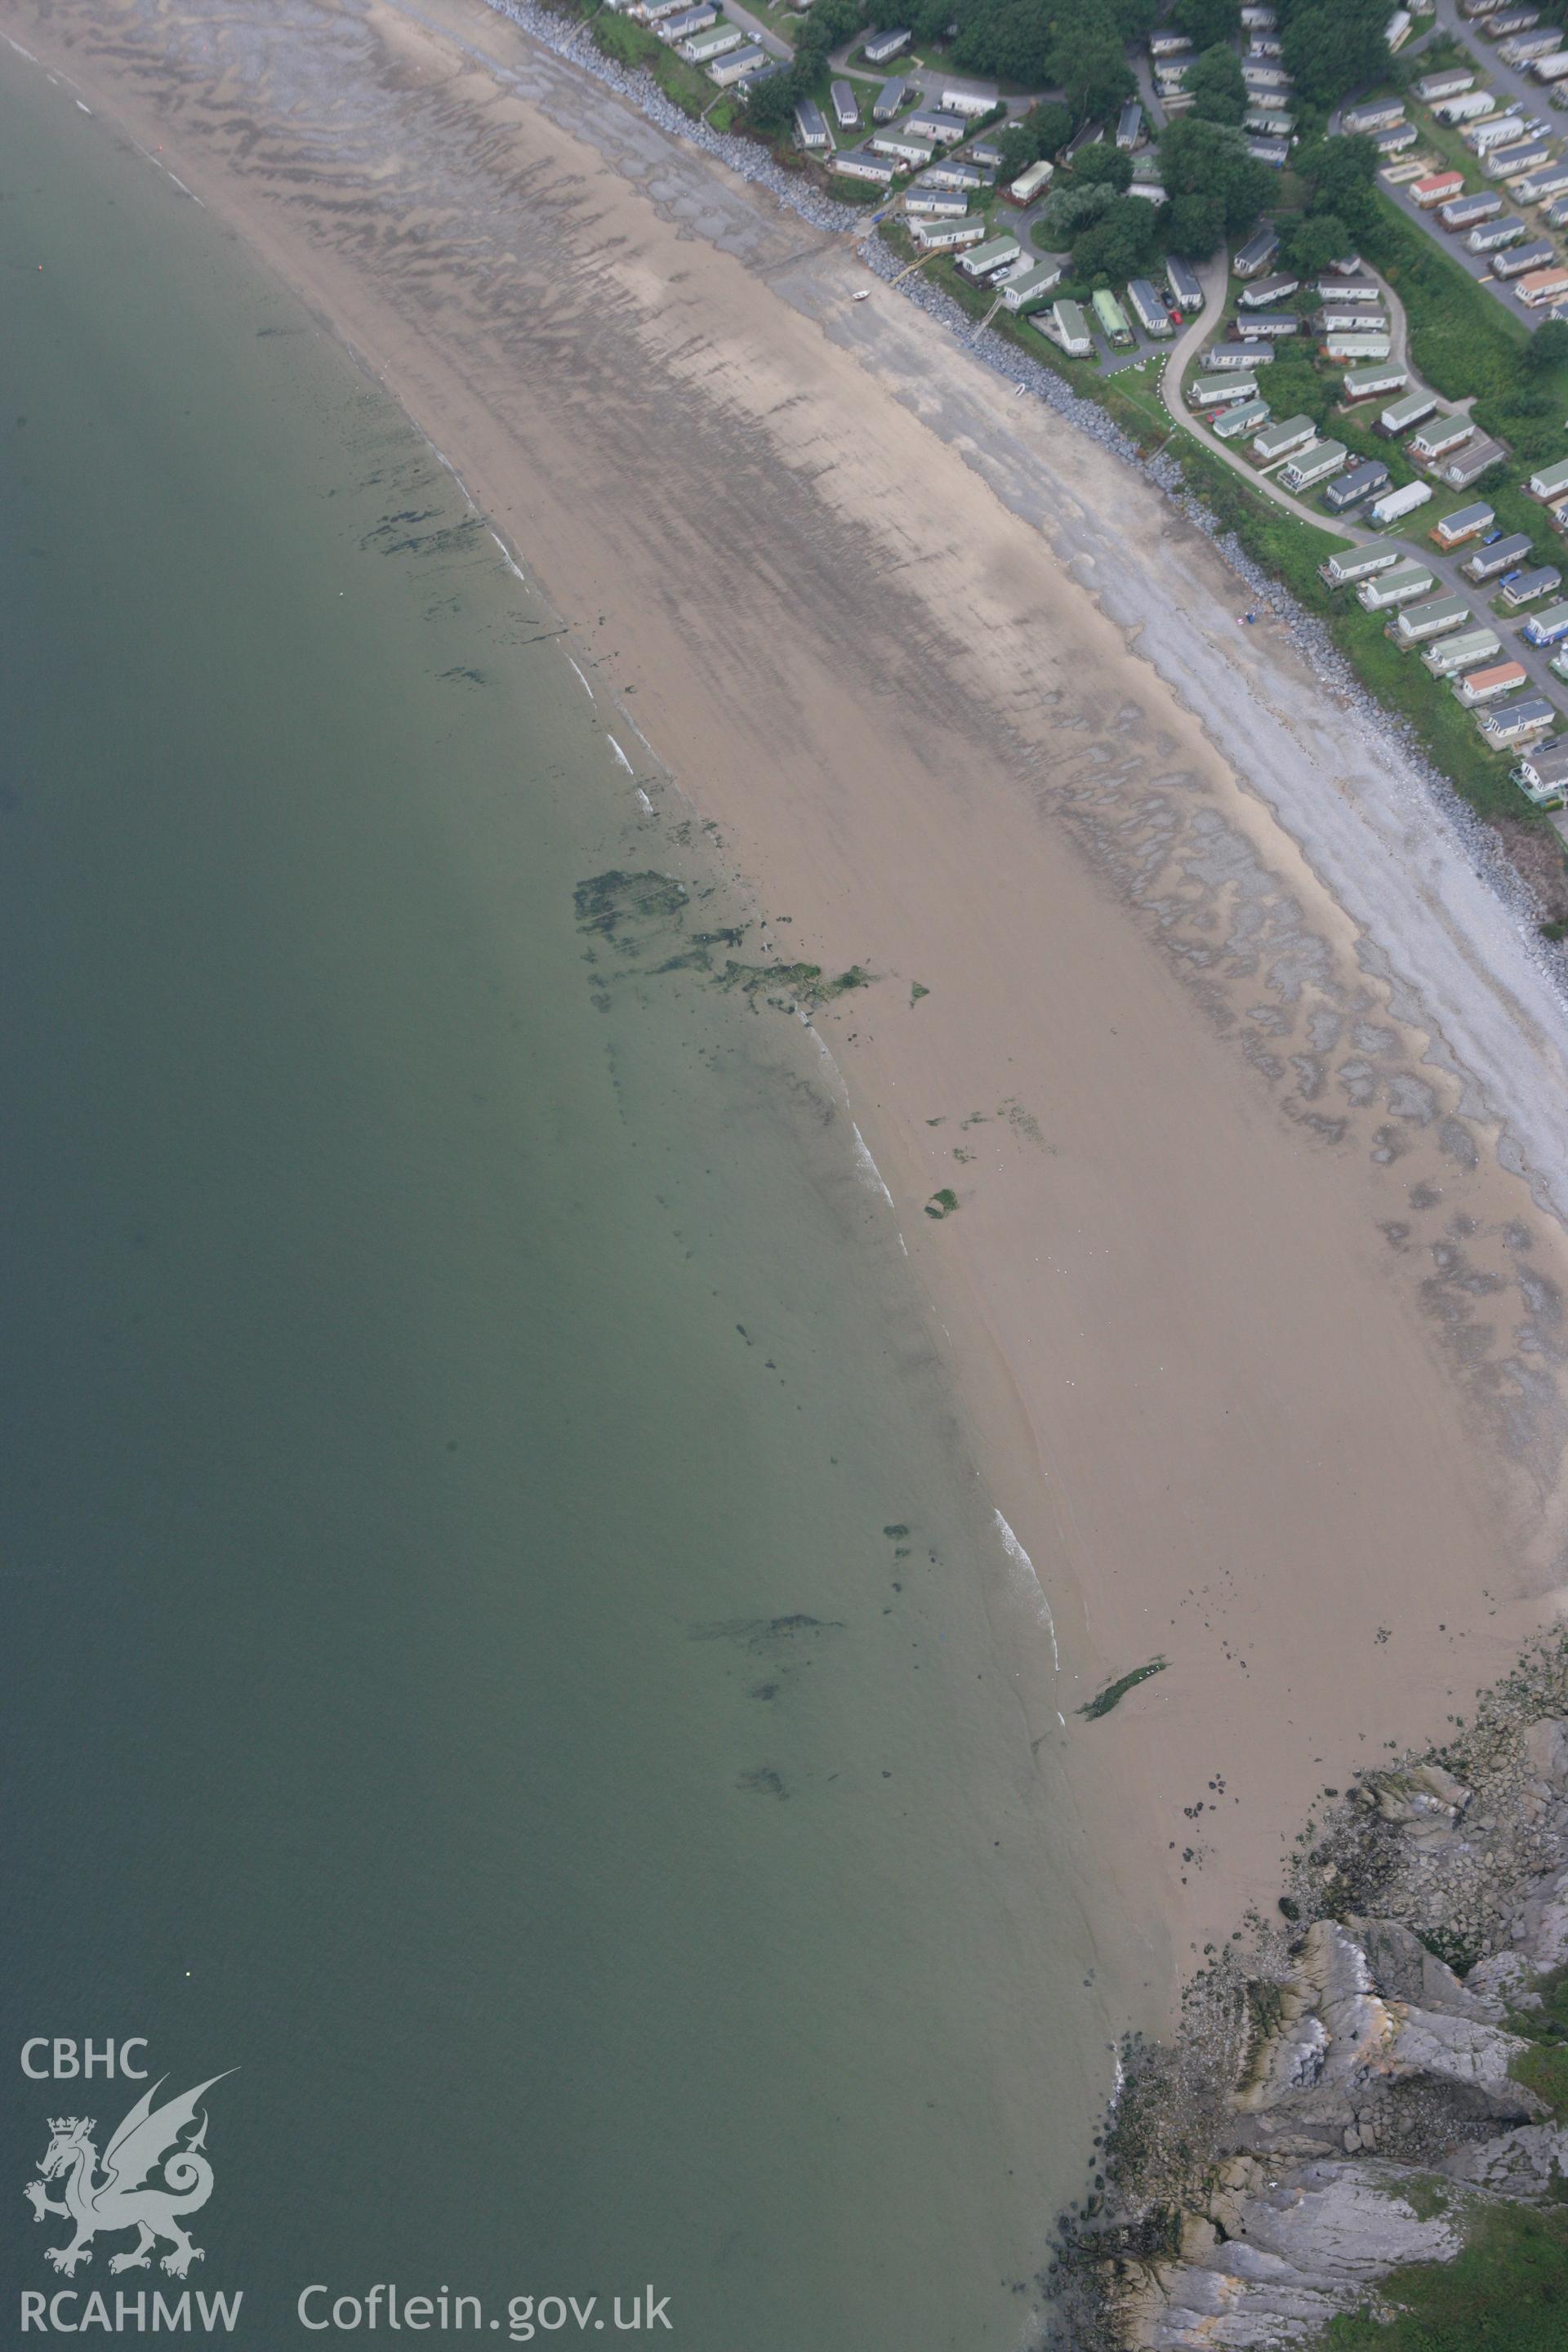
(981, 805)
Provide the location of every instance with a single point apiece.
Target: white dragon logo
(126, 2197)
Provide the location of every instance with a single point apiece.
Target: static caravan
(1373, 383)
(1526, 586)
(1067, 326)
(810, 130)
(1462, 652)
(1549, 482)
(1396, 32)
(1357, 482)
(1256, 253)
(945, 173)
(1557, 213)
(947, 130)
(989, 259)
(1222, 356)
(1406, 412)
(1436, 440)
(1031, 183)
(1395, 505)
(1438, 188)
(1265, 76)
(1316, 463)
(1514, 722)
(1465, 212)
(1496, 131)
(1398, 586)
(1361, 291)
(703, 47)
(1265, 290)
(1467, 465)
(1525, 47)
(1452, 530)
(1129, 127)
(881, 49)
(1218, 391)
(1397, 141)
(1279, 440)
(1450, 83)
(1169, 45)
(1184, 285)
(888, 100)
(1372, 114)
(1114, 323)
(1357, 350)
(1469, 106)
(1150, 311)
(1541, 186)
(1477, 685)
(1518, 162)
(855, 163)
(1543, 285)
(1543, 771)
(846, 105)
(1502, 555)
(1031, 286)
(727, 70)
(971, 103)
(937, 204)
(1275, 126)
(1351, 322)
(687, 24)
(1247, 416)
(1273, 326)
(1416, 623)
(905, 150)
(1356, 563)
(947, 236)
(1547, 629)
(1493, 236)
(1550, 68)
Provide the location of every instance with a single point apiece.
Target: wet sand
(1251, 1101)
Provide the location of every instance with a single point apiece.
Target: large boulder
(1532, 2162)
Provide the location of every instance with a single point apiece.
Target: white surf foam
(615, 746)
(1028, 1583)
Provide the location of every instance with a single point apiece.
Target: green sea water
(504, 1647)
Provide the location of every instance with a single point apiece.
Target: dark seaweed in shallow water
(765, 1636)
(607, 902)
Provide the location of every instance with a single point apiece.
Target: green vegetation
(1507, 2291)
(1218, 92)
(634, 45)
(1543, 2068)
(942, 1204)
(1214, 186)
(1114, 1693)
(1333, 47)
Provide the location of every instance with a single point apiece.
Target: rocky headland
(1359, 2083)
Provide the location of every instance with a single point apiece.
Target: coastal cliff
(1365, 2084)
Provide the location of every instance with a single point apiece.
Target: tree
(1067, 210)
(1316, 242)
(1340, 174)
(1335, 47)
(1094, 75)
(1122, 242)
(1218, 93)
(1548, 347)
(1207, 22)
(1196, 226)
(1204, 159)
(1049, 125)
(1102, 165)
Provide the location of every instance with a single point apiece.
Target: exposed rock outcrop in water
(1346, 2098)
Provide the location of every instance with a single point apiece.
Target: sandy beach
(1250, 1092)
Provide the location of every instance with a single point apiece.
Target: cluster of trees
(1216, 188)
(830, 23)
(1342, 210)
(1333, 46)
